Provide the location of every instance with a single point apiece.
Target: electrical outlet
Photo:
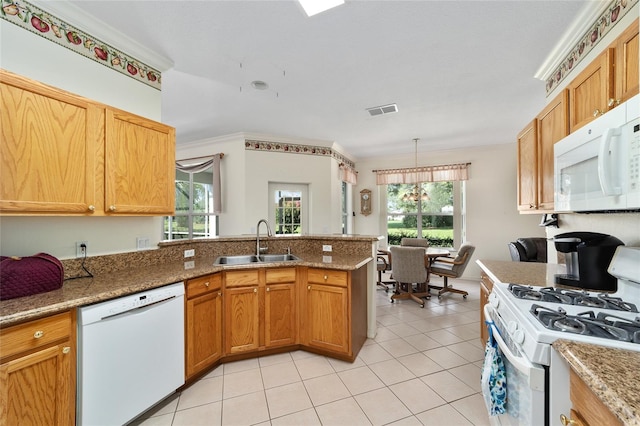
(189, 253)
(142, 243)
(190, 264)
(326, 247)
(81, 248)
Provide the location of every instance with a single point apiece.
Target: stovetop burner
(571, 297)
(588, 323)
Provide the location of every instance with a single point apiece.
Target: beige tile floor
(423, 368)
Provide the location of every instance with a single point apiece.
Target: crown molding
(581, 24)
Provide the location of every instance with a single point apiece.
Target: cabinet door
(328, 317)
(590, 91)
(241, 319)
(48, 149)
(139, 165)
(37, 389)
(553, 125)
(486, 285)
(627, 62)
(527, 167)
(204, 331)
(279, 312)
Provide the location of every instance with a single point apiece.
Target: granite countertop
(86, 291)
(612, 375)
(525, 273)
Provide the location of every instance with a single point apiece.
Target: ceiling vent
(384, 109)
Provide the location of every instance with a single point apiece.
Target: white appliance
(597, 167)
(130, 355)
(526, 320)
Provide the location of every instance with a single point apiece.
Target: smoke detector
(384, 109)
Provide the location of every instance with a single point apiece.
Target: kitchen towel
(493, 379)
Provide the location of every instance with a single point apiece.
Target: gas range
(531, 318)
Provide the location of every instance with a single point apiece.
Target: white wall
(492, 217)
(32, 56)
(246, 175)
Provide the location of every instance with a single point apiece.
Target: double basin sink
(246, 259)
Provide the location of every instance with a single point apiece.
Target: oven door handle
(534, 373)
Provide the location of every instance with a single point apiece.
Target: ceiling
(461, 72)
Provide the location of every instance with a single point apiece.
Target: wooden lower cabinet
(588, 409)
(335, 311)
(38, 372)
(203, 323)
(280, 313)
(260, 309)
(486, 286)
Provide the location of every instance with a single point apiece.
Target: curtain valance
(348, 174)
(203, 163)
(442, 173)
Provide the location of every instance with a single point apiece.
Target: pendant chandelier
(417, 193)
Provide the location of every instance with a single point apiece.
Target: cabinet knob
(268, 289)
(308, 287)
(326, 277)
(255, 290)
(532, 206)
(613, 102)
(112, 208)
(206, 284)
(566, 421)
(219, 294)
(38, 334)
(597, 112)
(91, 208)
(66, 350)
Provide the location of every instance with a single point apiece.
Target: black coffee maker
(587, 256)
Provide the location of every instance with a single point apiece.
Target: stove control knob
(512, 327)
(518, 336)
(494, 301)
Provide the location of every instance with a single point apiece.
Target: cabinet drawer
(201, 285)
(327, 276)
(241, 278)
(24, 337)
(280, 275)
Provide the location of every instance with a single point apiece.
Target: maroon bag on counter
(24, 276)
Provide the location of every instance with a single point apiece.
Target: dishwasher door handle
(138, 310)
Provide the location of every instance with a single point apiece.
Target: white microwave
(597, 167)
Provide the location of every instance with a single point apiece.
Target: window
(194, 207)
(288, 209)
(345, 208)
(433, 219)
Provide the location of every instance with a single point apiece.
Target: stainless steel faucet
(260, 250)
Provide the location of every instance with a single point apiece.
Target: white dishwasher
(130, 355)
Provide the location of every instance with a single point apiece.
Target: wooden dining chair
(408, 269)
(451, 268)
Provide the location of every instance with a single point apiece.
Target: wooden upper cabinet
(139, 165)
(626, 64)
(62, 154)
(48, 148)
(527, 167)
(591, 90)
(553, 125)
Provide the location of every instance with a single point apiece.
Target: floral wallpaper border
(290, 148)
(44, 24)
(607, 20)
